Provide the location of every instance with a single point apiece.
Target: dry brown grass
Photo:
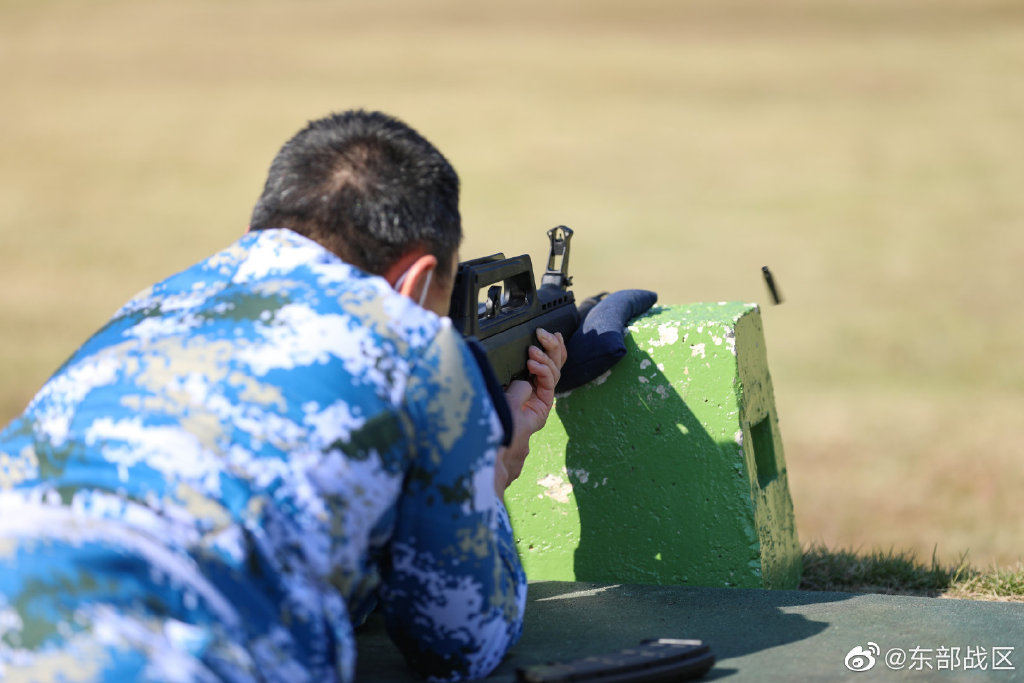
(892, 572)
(869, 151)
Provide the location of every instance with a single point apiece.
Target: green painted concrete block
(668, 470)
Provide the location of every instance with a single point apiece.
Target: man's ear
(409, 275)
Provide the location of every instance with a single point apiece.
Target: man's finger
(518, 392)
(544, 378)
(543, 363)
(553, 345)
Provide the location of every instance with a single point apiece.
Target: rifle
(506, 320)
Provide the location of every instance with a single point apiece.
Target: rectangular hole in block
(764, 451)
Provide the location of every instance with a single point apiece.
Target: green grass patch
(1004, 584)
(895, 572)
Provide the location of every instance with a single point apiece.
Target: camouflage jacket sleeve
(453, 588)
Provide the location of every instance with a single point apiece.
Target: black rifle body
(506, 322)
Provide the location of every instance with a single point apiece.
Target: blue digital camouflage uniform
(237, 467)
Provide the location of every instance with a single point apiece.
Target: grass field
(871, 152)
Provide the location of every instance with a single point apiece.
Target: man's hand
(530, 403)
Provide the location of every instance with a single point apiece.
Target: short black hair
(367, 187)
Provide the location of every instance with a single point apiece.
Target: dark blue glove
(599, 342)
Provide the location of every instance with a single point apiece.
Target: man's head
(370, 189)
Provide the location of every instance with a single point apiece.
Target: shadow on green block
(660, 501)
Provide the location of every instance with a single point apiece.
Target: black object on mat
(653, 661)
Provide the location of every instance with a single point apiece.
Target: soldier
(257, 451)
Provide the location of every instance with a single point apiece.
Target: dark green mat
(756, 635)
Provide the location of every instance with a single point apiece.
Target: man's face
(439, 295)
